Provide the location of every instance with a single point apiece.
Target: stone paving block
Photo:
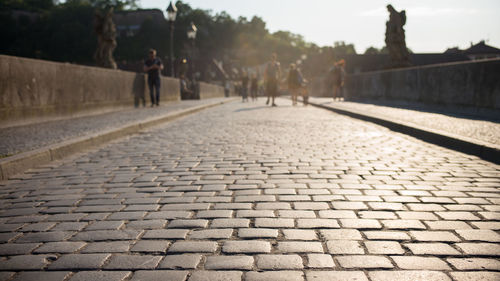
(408, 275)
(194, 223)
(364, 261)
(274, 276)
(296, 214)
(39, 226)
(70, 226)
(460, 216)
(279, 262)
(475, 263)
(229, 262)
(211, 234)
(59, 247)
(320, 261)
(127, 216)
(360, 223)
(159, 275)
(341, 234)
(384, 247)
(79, 262)
(184, 261)
(420, 263)
(273, 206)
(6, 275)
(133, 262)
(274, 222)
(444, 236)
(479, 235)
(480, 249)
(25, 262)
(386, 235)
(336, 276)
(349, 206)
(257, 233)
(17, 249)
(103, 235)
(403, 224)
(146, 224)
(41, 275)
(230, 223)
(50, 236)
(437, 249)
(214, 214)
(317, 223)
(337, 214)
(193, 247)
(474, 276)
(447, 225)
(493, 225)
(166, 234)
(344, 247)
(150, 246)
(105, 225)
(100, 275)
(299, 234)
(300, 247)
(250, 246)
(107, 247)
(204, 275)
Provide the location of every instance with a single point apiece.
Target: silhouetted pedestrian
(254, 86)
(153, 66)
(272, 78)
(244, 85)
(338, 76)
(294, 81)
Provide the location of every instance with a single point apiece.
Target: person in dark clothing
(338, 76)
(294, 81)
(254, 86)
(272, 76)
(153, 67)
(244, 85)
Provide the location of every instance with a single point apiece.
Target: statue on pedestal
(106, 38)
(395, 38)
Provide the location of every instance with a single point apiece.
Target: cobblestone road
(247, 192)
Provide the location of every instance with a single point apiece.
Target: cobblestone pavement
(29, 137)
(460, 124)
(247, 192)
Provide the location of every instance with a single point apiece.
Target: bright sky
(432, 25)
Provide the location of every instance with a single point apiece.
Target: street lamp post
(191, 34)
(171, 14)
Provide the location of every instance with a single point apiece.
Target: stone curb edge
(480, 149)
(21, 162)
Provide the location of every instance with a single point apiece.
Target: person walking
(254, 86)
(244, 85)
(294, 81)
(272, 78)
(153, 66)
(338, 76)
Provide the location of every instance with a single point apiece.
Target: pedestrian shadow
(250, 108)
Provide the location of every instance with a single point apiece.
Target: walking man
(153, 67)
(272, 78)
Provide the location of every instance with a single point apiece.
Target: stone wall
(211, 91)
(465, 84)
(36, 90)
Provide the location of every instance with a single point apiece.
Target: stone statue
(106, 38)
(395, 38)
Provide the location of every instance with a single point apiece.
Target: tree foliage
(64, 32)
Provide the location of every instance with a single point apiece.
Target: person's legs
(151, 91)
(157, 87)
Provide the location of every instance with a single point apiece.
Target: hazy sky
(432, 25)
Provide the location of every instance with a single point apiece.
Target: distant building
(374, 62)
(482, 51)
(128, 23)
